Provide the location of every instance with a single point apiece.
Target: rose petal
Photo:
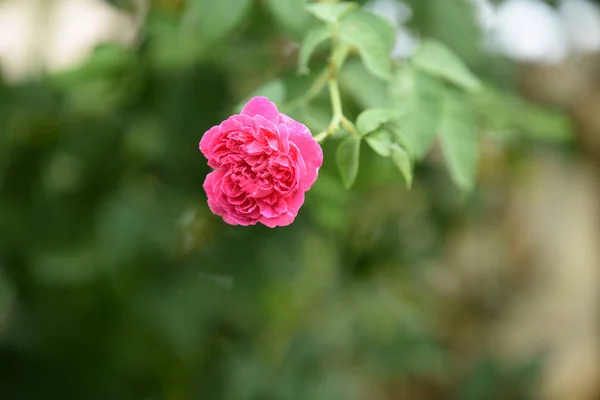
(295, 201)
(207, 143)
(237, 123)
(212, 180)
(261, 106)
(264, 162)
(309, 148)
(284, 137)
(282, 220)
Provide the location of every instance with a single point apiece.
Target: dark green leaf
(460, 140)
(374, 38)
(330, 12)
(437, 59)
(310, 43)
(418, 97)
(347, 156)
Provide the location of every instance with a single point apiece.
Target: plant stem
(336, 102)
(319, 137)
(329, 76)
(346, 123)
(336, 106)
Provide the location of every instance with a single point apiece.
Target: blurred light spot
(188, 217)
(485, 13)
(64, 173)
(226, 281)
(581, 19)
(397, 13)
(393, 10)
(529, 30)
(16, 37)
(39, 35)
(406, 43)
(78, 26)
(145, 140)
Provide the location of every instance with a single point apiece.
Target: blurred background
(116, 281)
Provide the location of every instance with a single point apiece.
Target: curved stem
(319, 137)
(346, 123)
(329, 76)
(336, 106)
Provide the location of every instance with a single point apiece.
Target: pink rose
(264, 161)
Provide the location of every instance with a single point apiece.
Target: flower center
(263, 177)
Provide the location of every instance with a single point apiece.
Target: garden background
(116, 281)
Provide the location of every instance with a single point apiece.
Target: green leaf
(400, 137)
(347, 156)
(371, 119)
(460, 140)
(374, 38)
(310, 43)
(418, 97)
(212, 21)
(367, 90)
(507, 115)
(330, 12)
(454, 22)
(380, 141)
(273, 90)
(437, 59)
(403, 162)
(290, 13)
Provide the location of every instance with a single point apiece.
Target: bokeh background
(116, 281)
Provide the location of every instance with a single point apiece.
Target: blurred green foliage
(116, 282)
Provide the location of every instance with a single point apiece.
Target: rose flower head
(264, 161)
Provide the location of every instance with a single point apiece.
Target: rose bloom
(264, 161)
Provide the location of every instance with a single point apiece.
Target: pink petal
(255, 148)
(295, 201)
(261, 106)
(212, 180)
(209, 140)
(309, 148)
(267, 210)
(284, 137)
(282, 220)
